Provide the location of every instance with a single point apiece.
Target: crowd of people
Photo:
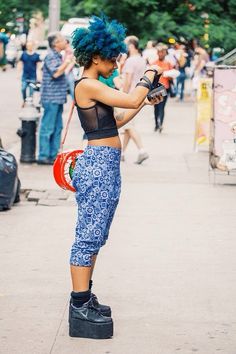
(58, 72)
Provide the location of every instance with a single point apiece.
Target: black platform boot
(104, 309)
(88, 322)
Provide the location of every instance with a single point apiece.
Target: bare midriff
(112, 142)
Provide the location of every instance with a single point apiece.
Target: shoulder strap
(78, 81)
(67, 125)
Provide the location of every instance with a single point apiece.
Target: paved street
(168, 270)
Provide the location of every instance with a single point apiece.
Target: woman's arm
(93, 90)
(124, 117)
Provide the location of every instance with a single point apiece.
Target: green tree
(162, 19)
(148, 19)
(11, 9)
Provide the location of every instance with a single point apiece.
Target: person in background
(113, 80)
(150, 52)
(171, 54)
(3, 42)
(159, 110)
(70, 79)
(28, 64)
(133, 69)
(182, 63)
(53, 96)
(200, 59)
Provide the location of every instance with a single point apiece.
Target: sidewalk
(168, 270)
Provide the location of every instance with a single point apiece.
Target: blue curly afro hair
(102, 37)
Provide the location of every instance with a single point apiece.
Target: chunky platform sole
(86, 329)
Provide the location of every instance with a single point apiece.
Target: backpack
(9, 181)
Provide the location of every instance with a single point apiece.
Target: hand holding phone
(159, 90)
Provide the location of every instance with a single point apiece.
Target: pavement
(168, 270)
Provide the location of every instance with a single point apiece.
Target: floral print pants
(97, 181)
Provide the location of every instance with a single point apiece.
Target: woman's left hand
(154, 101)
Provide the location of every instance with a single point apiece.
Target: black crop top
(98, 120)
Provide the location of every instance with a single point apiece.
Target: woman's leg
(156, 116)
(162, 110)
(125, 140)
(177, 86)
(94, 258)
(80, 277)
(182, 89)
(23, 89)
(134, 135)
(86, 317)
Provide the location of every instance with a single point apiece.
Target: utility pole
(54, 15)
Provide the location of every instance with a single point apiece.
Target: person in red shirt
(159, 110)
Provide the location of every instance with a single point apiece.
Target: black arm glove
(157, 88)
(143, 84)
(147, 83)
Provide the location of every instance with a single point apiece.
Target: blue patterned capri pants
(97, 181)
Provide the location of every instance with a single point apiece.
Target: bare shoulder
(90, 84)
(89, 87)
(88, 91)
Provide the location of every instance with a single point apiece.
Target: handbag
(65, 161)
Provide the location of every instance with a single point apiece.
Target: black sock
(79, 298)
(90, 284)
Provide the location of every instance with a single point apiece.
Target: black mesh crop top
(98, 120)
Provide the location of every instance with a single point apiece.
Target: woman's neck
(91, 73)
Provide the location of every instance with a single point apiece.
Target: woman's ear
(95, 59)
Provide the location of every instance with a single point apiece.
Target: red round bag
(63, 168)
(64, 164)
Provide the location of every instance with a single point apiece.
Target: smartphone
(160, 90)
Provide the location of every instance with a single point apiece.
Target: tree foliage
(148, 19)
(179, 19)
(11, 10)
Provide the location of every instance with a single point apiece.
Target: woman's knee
(83, 257)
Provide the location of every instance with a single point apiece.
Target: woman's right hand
(154, 100)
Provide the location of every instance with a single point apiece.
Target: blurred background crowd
(186, 34)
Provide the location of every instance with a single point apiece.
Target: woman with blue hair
(96, 176)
